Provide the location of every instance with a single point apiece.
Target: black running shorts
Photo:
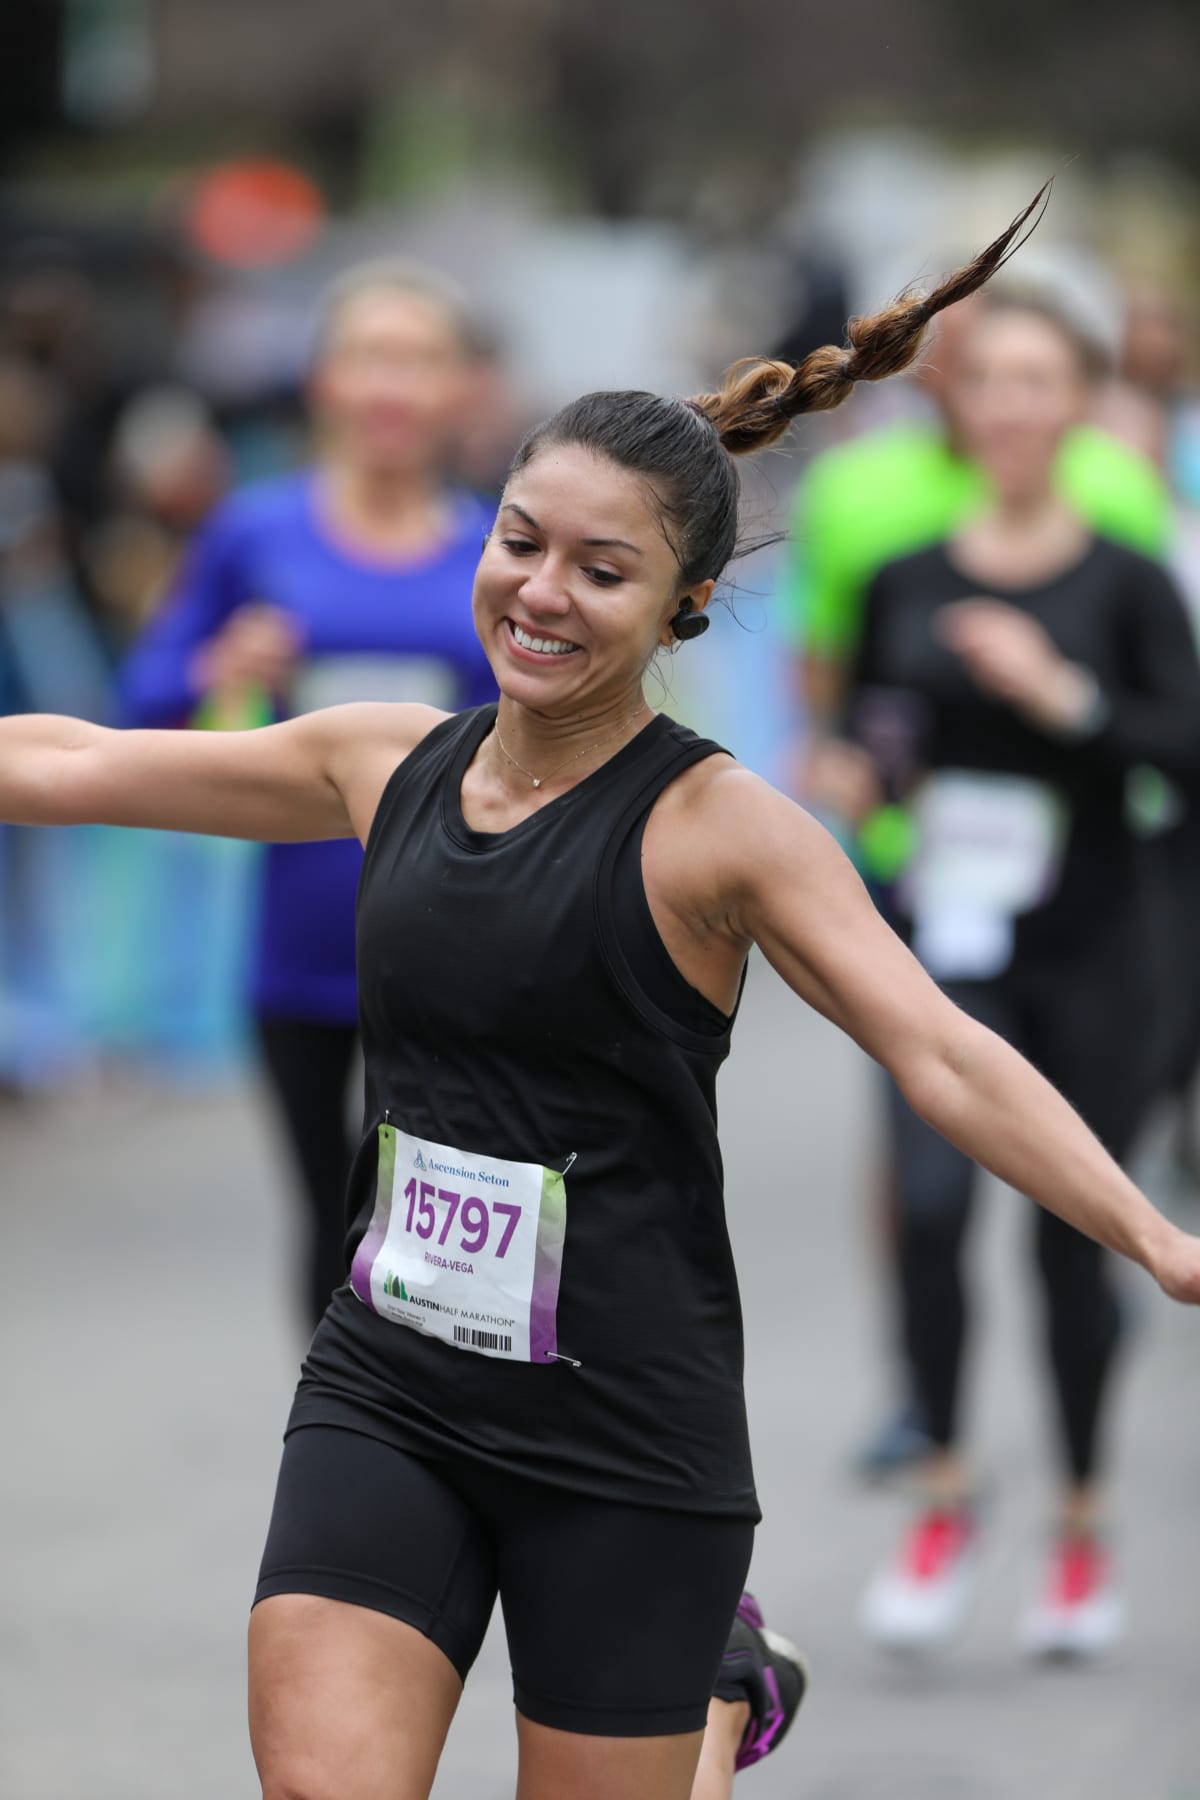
(616, 1615)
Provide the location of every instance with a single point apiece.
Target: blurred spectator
(51, 660)
(93, 354)
(168, 468)
(1158, 360)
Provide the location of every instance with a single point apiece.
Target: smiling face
(577, 583)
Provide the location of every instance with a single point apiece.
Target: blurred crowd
(137, 391)
(132, 403)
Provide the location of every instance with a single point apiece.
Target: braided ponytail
(759, 398)
(683, 450)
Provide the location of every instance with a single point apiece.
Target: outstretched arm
(793, 893)
(319, 776)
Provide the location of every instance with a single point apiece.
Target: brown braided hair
(758, 398)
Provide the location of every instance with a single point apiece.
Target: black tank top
(516, 1001)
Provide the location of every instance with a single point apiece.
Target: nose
(544, 591)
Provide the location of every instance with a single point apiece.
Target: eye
(519, 546)
(604, 577)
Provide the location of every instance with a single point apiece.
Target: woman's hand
(258, 646)
(838, 777)
(1012, 657)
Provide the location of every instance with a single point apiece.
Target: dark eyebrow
(589, 543)
(610, 544)
(511, 506)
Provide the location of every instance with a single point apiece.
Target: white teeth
(548, 646)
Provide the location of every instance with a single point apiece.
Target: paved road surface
(147, 1361)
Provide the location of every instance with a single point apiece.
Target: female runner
(532, 1383)
(1035, 665)
(348, 581)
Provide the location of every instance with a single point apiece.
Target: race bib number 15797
(465, 1248)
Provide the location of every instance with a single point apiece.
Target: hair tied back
(759, 398)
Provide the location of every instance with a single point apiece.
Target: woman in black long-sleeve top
(1012, 677)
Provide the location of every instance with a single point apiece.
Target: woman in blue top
(348, 581)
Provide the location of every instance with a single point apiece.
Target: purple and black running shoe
(763, 1668)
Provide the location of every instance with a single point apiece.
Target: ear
(698, 596)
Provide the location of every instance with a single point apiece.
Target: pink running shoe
(1080, 1612)
(921, 1599)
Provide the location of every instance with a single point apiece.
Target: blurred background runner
(1008, 681)
(351, 581)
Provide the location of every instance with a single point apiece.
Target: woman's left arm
(786, 886)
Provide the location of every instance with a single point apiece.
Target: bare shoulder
(728, 813)
(725, 835)
(709, 831)
(363, 743)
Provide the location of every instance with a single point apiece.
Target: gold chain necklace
(537, 780)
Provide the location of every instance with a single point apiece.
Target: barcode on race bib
(482, 1340)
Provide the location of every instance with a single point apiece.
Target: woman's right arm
(319, 776)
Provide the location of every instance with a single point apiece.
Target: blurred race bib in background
(989, 847)
(335, 680)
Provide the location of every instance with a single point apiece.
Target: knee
(304, 1790)
(300, 1783)
(299, 1778)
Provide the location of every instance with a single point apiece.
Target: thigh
(345, 1703)
(376, 1587)
(617, 1616)
(359, 1522)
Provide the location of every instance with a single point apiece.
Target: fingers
(983, 620)
(842, 778)
(259, 645)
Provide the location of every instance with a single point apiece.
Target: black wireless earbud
(688, 624)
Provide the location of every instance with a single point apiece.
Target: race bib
(335, 680)
(465, 1248)
(989, 848)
